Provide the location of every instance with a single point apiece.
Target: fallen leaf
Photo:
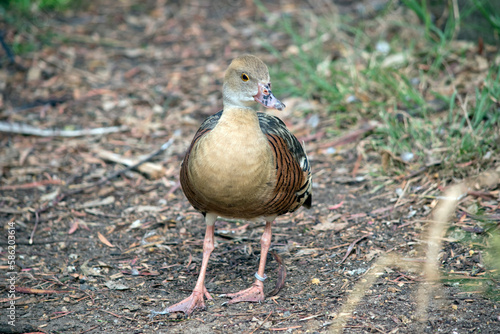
(336, 206)
(50, 196)
(105, 241)
(329, 226)
(112, 285)
(98, 202)
(396, 60)
(306, 251)
(136, 224)
(87, 271)
(148, 208)
(21, 289)
(371, 254)
(34, 73)
(74, 227)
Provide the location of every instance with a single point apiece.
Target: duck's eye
(244, 77)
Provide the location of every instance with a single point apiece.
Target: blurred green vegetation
(28, 7)
(28, 20)
(404, 80)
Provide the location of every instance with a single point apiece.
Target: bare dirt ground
(102, 258)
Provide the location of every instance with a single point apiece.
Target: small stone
(383, 47)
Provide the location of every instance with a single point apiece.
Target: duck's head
(246, 82)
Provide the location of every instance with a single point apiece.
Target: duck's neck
(235, 99)
(230, 104)
(235, 121)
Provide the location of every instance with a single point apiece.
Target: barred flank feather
(293, 187)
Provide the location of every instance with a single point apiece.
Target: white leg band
(262, 279)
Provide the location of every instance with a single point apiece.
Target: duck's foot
(254, 294)
(188, 305)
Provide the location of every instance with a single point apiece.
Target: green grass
(28, 7)
(400, 88)
(482, 278)
(492, 259)
(28, 19)
(490, 13)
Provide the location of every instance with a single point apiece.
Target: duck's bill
(267, 99)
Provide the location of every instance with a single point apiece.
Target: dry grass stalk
(433, 240)
(359, 290)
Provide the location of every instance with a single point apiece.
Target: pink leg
(195, 301)
(256, 292)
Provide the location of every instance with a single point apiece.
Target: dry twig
(262, 323)
(25, 129)
(351, 247)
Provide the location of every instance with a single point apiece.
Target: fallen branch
(25, 129)
(30, 185)
(27, 290)
(154, 171)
